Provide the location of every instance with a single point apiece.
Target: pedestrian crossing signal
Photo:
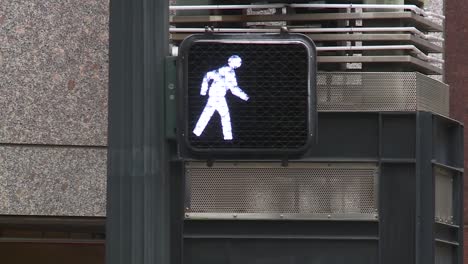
(219, 82)
(247, 96)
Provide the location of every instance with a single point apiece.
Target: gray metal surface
(381, 91)
(270, 191)
(444, 254)
(444, 207)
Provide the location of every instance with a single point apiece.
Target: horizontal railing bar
(422, 66)
(413, 8)
(402, 38)
(412, 48)
(421, 22)
(224, 7)
(308, 30)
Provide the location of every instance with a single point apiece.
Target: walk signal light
(247, 96)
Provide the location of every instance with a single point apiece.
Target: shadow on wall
(52, 253)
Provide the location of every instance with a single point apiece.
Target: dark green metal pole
(138, 206)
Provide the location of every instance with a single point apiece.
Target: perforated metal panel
(433, 96)
(268, 190)
(385, 91)
(443, 195)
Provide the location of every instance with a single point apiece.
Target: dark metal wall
(280, 242)
(138, 223)
(407, 147)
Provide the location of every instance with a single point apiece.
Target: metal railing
(412, 8)
(344, 33)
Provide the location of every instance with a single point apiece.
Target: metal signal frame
(189, 151)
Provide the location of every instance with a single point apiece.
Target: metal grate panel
(366, 92)
(381, 91)
(443, 195)
(267, 190)
(433, 96)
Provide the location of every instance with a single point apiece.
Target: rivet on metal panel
(187, 216)
(234, 216)
(209, 163)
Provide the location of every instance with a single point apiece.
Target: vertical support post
(138, 180)
(459, 189)
(425, 201)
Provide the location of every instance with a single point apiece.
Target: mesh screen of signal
(248, 95)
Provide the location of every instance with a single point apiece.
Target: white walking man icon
(222, 80)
